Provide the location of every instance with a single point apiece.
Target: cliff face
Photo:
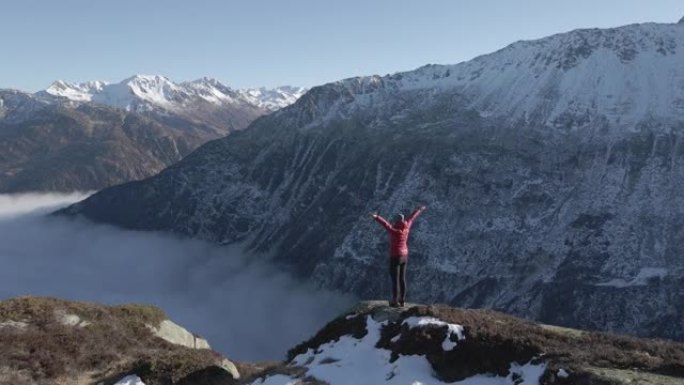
(551, 171)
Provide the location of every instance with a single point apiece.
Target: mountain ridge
(542, 61)
(143, 92)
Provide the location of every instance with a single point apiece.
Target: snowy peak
(129, 94)
(144, 84)
(212, 90)
(681, 21)
(75, 91)
(148, 92)
(206, 82)
(273, 99)
(140, 90)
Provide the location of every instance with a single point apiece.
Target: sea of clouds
(247, 308)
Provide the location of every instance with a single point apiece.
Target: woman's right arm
(383, 222)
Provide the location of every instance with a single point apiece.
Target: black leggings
(398, 276)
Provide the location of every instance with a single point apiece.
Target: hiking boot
(393, 303)
(401, 303)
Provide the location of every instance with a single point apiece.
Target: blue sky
(276, 42)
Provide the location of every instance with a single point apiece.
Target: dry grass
(115, 341)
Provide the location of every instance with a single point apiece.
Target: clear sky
(247, 43)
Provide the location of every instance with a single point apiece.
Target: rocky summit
(376, 344)
(552, 171)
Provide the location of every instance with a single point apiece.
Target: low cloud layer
(248, 310)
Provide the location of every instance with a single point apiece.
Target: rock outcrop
(175, 334)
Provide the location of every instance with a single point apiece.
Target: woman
(398, 233)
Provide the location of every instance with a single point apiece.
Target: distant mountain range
(552, 169)
(92, 135)
(144, 93)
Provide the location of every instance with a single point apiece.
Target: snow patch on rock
(454, 329)
(67, 319)
(130, 380)
(358, 361)
(278, 379)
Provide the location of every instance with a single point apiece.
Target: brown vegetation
(108, 342)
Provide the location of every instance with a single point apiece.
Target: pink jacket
(399, 233)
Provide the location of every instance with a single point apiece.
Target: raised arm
(383, 222)
(415, 214)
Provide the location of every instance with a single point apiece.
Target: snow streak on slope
(455, 331)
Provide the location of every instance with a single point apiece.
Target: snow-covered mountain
(272, 99)
(60, 139)
(552, 171)
(625, 75)
(80, 92)
(144, 93)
